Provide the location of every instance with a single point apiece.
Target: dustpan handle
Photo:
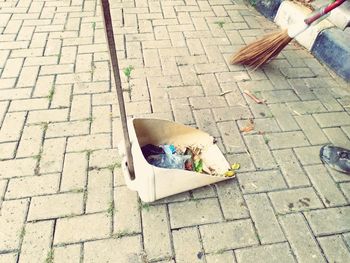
(115, 68)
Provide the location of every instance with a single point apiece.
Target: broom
(264, 50)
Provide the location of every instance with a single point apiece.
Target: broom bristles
(262, 51)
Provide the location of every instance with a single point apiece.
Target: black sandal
(336, 157)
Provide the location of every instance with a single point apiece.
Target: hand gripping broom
(264, 50)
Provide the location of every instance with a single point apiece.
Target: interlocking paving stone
(274, 253)
(156, 232)
(17, 168)
(52, 206)
(262, 181)
(292, 200)
(325, 186)
(82, 228)
(345, 187)
(286, 140)
(36, 242)
(264, 219)
(332, 119)
(67, 254)
(187, 245)
(334, 248)
(337, 137)
(231, 200)
(306, 107)
(228, 235)
(52, 155)
(32, 186)
(290, 168)
(126, 249)
(301, 239)
(9, 257)
(126, 207)
(329, 221)
(223, 257)
(99, 191)
(12, 219)
(195, 212)
(308, 155)
(312, 131)
(231, 137)
(284, 117)
(259, 152)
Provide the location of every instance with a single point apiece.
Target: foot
(336, 157)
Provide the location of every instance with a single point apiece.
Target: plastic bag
(169, 159)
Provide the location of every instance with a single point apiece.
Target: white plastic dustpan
(153, 183)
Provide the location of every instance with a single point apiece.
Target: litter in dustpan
(152, 182)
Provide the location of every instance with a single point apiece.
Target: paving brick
(290, 168)
(7, 83)
(228, 235)
(65, 129)
(105, 158)
(284, 117)
(32, 186)
(194, 213)
(89, 88)
(31, 140)
(88, 142)
(222, 257)
(329, 221)
(36, 242)
(327, 99)
(43, 86)
(17, 168)
(325, 186)
(12, 218)
(261, 181)
(301, 239)
(12, 68)
(207, 102)
(12, 126)
(54, 206)
(334, 248)
(82, 228)
(232, 113)
(311, 130)
(206, 122)
(260, 152)
(243, 159)
(7, 150)
(274, 253)
(332, 119)
(29, 104)
(28, 77)
(9, 257)
(231, 200)
(67, 254)
(11, 94)
(40, 61)
(345, 187)
(68, 55)
(264, 219)
(337, 137)
(210, 84)
(52, 155)
(286, 140)
(124, 249)
(308, 155)
(156, 232)
(187, 245)
(47, 116)
(74, 174)
(231, 137)
(292, 200)
(126, 207)
(210, 68)
(81, 107)
(99, 191)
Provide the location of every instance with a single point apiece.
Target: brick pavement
(62, 195)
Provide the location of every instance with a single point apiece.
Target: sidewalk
(62, 195)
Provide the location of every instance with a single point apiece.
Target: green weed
(220, 23)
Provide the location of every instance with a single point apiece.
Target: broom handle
(322, 11)
(115, 68)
